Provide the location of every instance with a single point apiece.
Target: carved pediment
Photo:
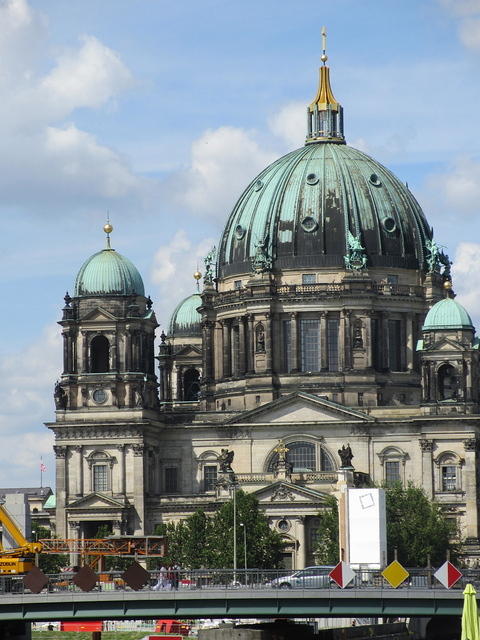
(288, 493)
(189, 351)
(299, 408)
(96, 501)
(98, 315)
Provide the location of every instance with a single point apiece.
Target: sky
(159, 114)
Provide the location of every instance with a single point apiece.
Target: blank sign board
(367, 533)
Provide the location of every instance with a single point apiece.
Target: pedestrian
(175, 576)
(161, 582)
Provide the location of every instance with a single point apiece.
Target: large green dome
(186, 320)
(108, 273)
(447, 314)
(305, 204)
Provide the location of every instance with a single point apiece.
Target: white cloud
(173, 267)
(41, 146)
(26, 399)
(290, 124)
(468, 14)
(465, 277)
(223, 162)
(457, 189)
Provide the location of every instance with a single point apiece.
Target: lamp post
(244, 548)
(233, 487)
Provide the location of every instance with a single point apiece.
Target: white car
(308, 578)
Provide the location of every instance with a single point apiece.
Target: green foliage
(416, 527)
(204, 541)
(326, 549)
(48, 562)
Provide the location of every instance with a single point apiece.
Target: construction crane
(19, 559)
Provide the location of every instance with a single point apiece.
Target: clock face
(99, 396)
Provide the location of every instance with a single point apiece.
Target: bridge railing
(226, 579)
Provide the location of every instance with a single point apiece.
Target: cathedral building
(326, 317)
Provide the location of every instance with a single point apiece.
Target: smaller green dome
(108, 273)
(185, 320)
(447, 314)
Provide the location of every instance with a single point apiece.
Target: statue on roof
(262, 260)
(225, 460)
(210, 262)
(356, 258)
(346, 456)
(433, 256)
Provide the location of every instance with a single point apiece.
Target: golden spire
(325, 114)
(197, 275)
(107, 227)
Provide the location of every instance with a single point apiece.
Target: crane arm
(24, 546)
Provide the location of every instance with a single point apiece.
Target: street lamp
(233, 487)
(244, 548)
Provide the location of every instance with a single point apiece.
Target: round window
(389, 224)
(375, 180)
(239, 232)
(312, 178)
(99, 396)
(258, 185)
(309, 224)
(283, 525)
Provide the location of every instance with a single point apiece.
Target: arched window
(191, 385)
(449, 478)
(302, 456)
(393, 461)
(101, 464)
(99, 355)
(447, 382)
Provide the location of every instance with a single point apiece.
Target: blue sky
(161, 113)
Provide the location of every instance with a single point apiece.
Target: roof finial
(108, 230)
(197, 275)
(324, 56)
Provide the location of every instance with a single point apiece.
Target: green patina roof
(108, 272)
(50, 502)
(185, 320)
(447, 314)
(305, 204)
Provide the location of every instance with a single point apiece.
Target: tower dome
(306, 208)
(186, 320)
(447, 314)
(108, 273)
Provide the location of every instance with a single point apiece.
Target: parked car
(308, 578)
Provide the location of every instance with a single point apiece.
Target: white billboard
(367, 528)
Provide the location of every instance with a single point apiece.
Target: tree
(188, 541)
(416, 528)
(327, 547)
(264, 546)
(48, 562)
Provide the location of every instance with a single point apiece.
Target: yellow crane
(21, 558)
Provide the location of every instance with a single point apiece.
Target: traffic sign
(395, 574)
(448, 574)
(342, 574)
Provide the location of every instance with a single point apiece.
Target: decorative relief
(138, 449)
(60, 452)
(282, 493)
(95, 433)
(471, 444)
(426, 445)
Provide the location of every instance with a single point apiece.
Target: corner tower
(325, 270)
(106, 400)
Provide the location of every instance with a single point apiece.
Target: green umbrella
(470, 628)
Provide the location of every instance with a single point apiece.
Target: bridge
(222, 594)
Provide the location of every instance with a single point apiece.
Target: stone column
(208, 350)
(242, 347)
(179, 381)
(469, 482)
(139, 488)
(348, 341)
(410, 347)
(384, 338)
(84, 352)
(268, 342)
(74, 534)
(294, 341)
(227, 349)
(427, 467)
(323, 341)
(300, 556)
(61, 488)
(128, 350)
(251, 343)
(65, 337)
(277, 342)
(78, 449)
(368, 340)
(122, 483)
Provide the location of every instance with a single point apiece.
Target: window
(99, 355)
(309, 278)
(171, 480)
(235, 351)
(326, 461)
(310, 345)
(100, 477)
(287, 347)
(302, 456)
(391, 279)
(449, 478)
(209, 477)
(191, 385)
(237, 284)
(392, 472)
(448, 383)
(332, 342)
(394, 345)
